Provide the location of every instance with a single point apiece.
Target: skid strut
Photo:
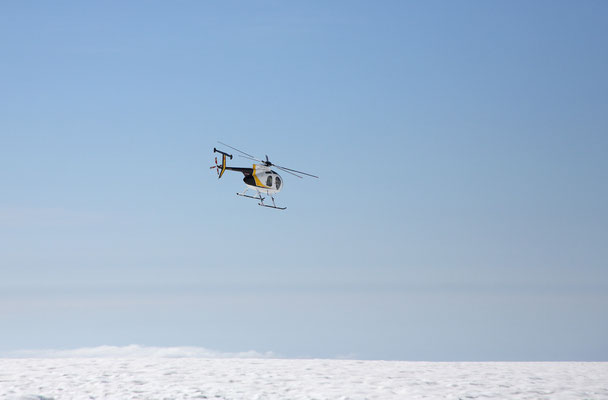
(261, 199)
(272, 206)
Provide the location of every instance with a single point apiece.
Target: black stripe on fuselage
(244, 171)
(248, 179)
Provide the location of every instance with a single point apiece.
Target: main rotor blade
(249, 158)
(289, 172)
(293, 170)
(234, 148)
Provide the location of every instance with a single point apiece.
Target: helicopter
(260, 178)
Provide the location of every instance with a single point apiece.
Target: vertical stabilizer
(221, 168)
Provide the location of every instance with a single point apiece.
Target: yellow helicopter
(260, 177)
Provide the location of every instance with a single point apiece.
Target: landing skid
(251, 197)
(261, 199)
(275, 207)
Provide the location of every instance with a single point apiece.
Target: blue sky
(461, 212)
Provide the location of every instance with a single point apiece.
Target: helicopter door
(269, 181)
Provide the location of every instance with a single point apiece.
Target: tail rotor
(220, 168)
(217, 167)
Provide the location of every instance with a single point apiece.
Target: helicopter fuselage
(260, 178)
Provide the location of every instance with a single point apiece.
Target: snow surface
(252, 378)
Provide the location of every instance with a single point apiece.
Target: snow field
(196, 378)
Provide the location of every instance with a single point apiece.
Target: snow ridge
(136, 351)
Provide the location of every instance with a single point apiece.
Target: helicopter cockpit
(277, 180)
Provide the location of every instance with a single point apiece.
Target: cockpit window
(277, 181)
(269, 181)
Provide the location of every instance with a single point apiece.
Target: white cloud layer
(135, 351)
